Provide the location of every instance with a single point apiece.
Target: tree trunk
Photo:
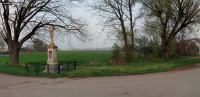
(126, 47)
(165, 43)
(132, 32)
(125, 39)
(14, 53)
(165, 50)
(165, 53)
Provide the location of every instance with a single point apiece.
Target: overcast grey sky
(99, 38)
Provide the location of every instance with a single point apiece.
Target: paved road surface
(167, 84)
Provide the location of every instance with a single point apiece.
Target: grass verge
(94, 64)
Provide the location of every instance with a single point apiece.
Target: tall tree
(26, 18)
(173, 15)
(115, 15)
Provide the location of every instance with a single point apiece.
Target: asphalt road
(184, 83)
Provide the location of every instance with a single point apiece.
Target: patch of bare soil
(197, 57)
(185, 67)
(5, 55)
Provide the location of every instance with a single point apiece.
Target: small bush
(150, 49)
(116, 57)
(141, 56)
(187, 49)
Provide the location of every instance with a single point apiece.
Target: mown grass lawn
(93, 63)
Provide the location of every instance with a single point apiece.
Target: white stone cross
(51, 29)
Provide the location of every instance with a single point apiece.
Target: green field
(94, 63)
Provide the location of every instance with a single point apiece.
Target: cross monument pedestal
(52, 55)
(52, 59)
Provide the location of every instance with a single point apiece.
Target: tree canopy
(173, 15)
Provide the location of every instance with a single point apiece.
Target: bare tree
(26, 18)
(173, 15)
(117, 16)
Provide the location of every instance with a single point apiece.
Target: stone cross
(51, 29)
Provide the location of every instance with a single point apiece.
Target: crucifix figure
(51, 28)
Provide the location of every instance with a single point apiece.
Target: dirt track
(5, 55)
(181, 83)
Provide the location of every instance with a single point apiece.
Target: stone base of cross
(52, 59)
